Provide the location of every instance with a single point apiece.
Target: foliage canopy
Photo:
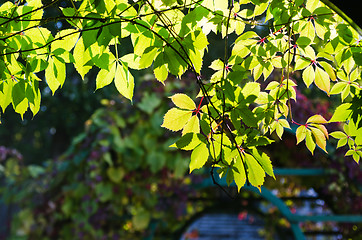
(242, 103)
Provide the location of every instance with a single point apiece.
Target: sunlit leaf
(199, 157)
(256, 173)
(301, 133)
(183, 101)
(105, 77)
(322, 79)
(308, 75)
(192, 125)
(316, 119)
(320, 138)
(342, 113)
(309, 142)
(175, 119)
(124, 81)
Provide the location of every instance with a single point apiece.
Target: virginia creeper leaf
(183, 101)
(124, 81)
(175, 119)
(199, 157)
(308, 75)
(193, 125)
(322, 79)
(301, 133)
(256, 173)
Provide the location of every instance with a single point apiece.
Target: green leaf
(199, 157)
(329, 69)
(338, 135)
(156, 161)
(66, 40)
(342, 113)
(183, 101)
(34, 103)
(301, 133)
(6, 94)
(141, 220)
(115, 174)
(82, 57)
(188, 141)
(338, 88)
(20, 102)
(301, 63)
(239, 173)
(124, 81)
(35, 170)
(308, 75)
(342, 142)
(175, 64)
(264, 161)
(256, 173)
(104, 191)
(175, 119)
(316, 119)
(132, 61)
(319, 138)
(309, 142)
(322, 79)
(55, 74)
(193, 125)
(149, 102)
(148, 57)
(105, 77)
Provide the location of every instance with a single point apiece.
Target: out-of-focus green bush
(118, 179)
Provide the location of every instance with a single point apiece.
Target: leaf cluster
(236, 113)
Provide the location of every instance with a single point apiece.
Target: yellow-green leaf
(105, 77)
(199, 157)
(322, 79)
(82, 56)
(264, 161)
(301, 133)
(175, 119)
(308, 31)
(308, 75)
(301, 63)
(115, 174)
(309, 142)
(316, 119)
(338, 135)
(66, 39)
(132, 60)
(6, 94)
(141, 220)
(188, 141)
(239, 175)
(320, 138)
(329, 69)
(256, 173)
(183, 101)
(338, 87)
(161, 73)
(55, 74)
(124, 81)
(217, 65)
(192, 126)
(341, 113)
